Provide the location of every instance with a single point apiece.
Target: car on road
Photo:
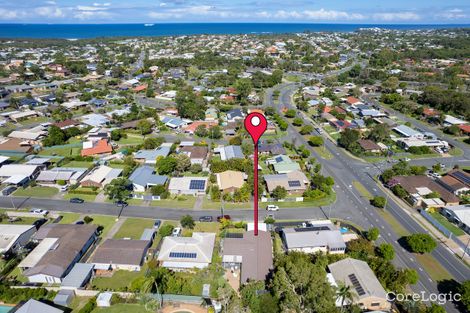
(39, 211)
(272, 207)
(76, 200)
(405, 159)
(220, 217)
(8, 190)
(318, 129)
(157, 224)
(176, 232)
(205, 218)
(121, 203)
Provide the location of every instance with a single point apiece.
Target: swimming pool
(5, 309)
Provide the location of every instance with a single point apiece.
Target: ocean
(77, 31)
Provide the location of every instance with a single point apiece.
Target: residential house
(229, 152)
(456, 181)
(78, 277)
(69, 175)
(174, 122)
(253, 255)
(186, 253)
(35, 306)
(449, 120)
(16, 145)
(197, 154)
(60, 247)
(101, 147)
(459, 214)
(419, 186)
(144, 177)
(408, 132)
(21, 116)
(120, 254)
(67, 124)
(94, 120)
(293, 182)
(368, 145)
(229, 181)
(273, 148)
(100, 176)
(211, 114)
(321, 237)
(356, 274)
(14, 237)
(18, 174)
(234, 115)
(283, 164)
(151, 156)
(188, 185)
(340, 125)
(191, 128)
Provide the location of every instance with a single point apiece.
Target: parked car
(39, 211)
(80, 222)
(220, 217)
(121, 203)
(64, 188)
(76, 200)
(157, 224)
(318, 129)
(205, 218)
(272, 207)
(8, 190)
(40, 222)
(176, 232)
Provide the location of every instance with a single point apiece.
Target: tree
(349, 138)
(390, 84)
(166, 230)
(378, 202)
(345, 294)
(243, 87)
(386, 251)
(201, 131)
(166, 165)
(379, 133)
(373, 234)
(464, 290)
(315, 141)
(55, 136)
(152, 143)
(290, 113)
(183, 162)
(190, 105)
(117, 134)
(215, 132)
(434, 308)
(279, 192)
(144, 126)
(421, 243)
(297, 121)
(195, 168)
(187, 221)
(119, 189)
(306, 129)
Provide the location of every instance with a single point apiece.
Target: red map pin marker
(255, 124)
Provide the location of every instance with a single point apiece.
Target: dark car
(157, 224)
(80, 222)
(205, 218)
(121, 203)
(227, 217)
(76, 200)
(8, 190)
(40, 222)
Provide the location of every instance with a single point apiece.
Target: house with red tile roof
(353, 100)
(464, 129)
(96, 148)
(140, 88)
(190, 129)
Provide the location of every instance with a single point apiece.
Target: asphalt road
(345, 170)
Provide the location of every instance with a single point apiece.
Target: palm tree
(344, 293)
(148, 284)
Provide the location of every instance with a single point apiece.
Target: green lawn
(119, 281)
(23, 221)
(107, 221)
(122, 308)
(77, 303)
(69, 218)
(396, 226)
(61, 151)
(78, 164)
(205, 227)
(132, 139)
(16, 274)
(87, 198)
(36, 192)
(185, 202)
(133, 228)
(323, 152)
(34, 120)
(362, 190)
(434, 268)
(447, 224)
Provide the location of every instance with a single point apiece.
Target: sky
(291, 11)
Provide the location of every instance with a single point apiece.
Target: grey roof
(366, 279)
(152, 155)
(275, 148)
(34, 306)
(314, 238)
(38, 161)
(78, 276)
(64, 297)
(148, 234)
(232, 152)
(121, 251)
(145, 175)
(407, 131)
(234, 113)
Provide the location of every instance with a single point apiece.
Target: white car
(272, 207)
(39, 211)
(64, 188)
(176, 232)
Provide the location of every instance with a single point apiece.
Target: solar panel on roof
(294, 183)
(233, 235)
(183, 255)
(461, 176)
(357, 285)
(197, 184)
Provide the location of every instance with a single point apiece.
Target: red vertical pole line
(255, 182)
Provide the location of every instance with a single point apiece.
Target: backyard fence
(436, 224)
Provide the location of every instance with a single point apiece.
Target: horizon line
(243, 22)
